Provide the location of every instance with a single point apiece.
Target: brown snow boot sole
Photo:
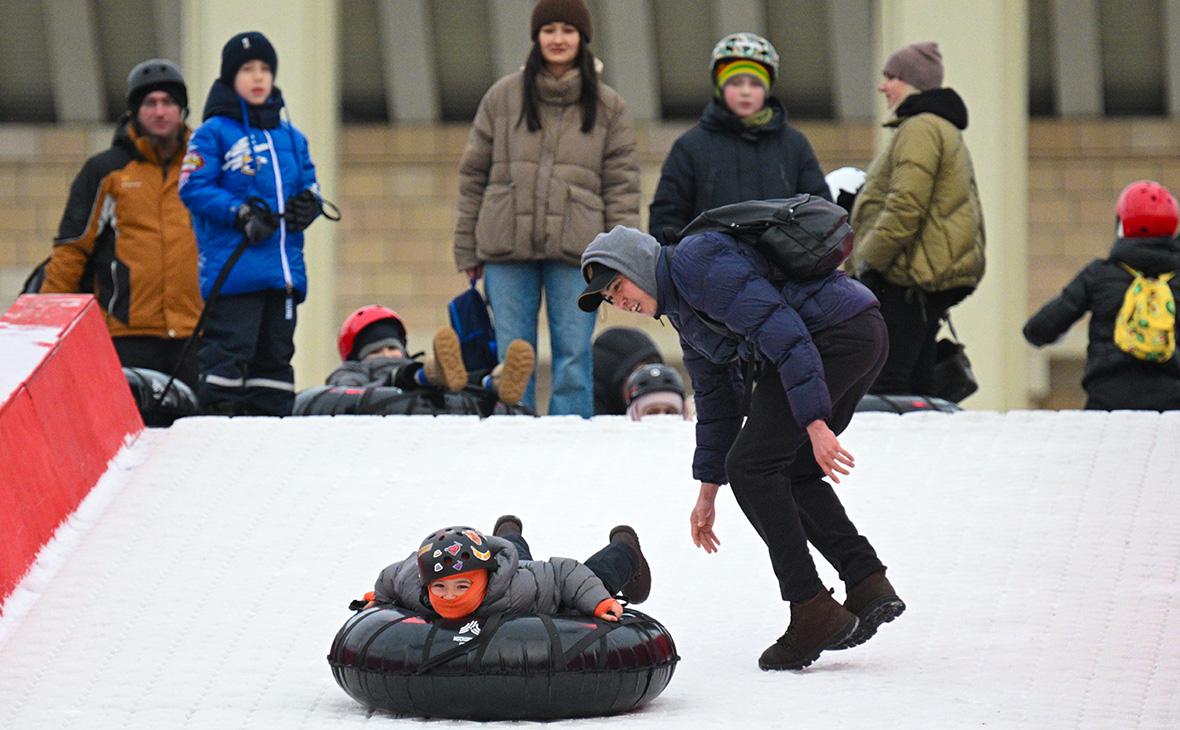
(839, 640)
(446, 369)
(872, 616)
(515, 372)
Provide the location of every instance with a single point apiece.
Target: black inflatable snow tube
(516, 668)
(905, 404)
(147, 385)
(389, 401)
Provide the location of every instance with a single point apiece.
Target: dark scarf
(942, 102)
(223, 101)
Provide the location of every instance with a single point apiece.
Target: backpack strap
(1131, 271)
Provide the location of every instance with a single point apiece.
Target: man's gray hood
(630, 252)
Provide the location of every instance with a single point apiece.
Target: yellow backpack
(1146, 324)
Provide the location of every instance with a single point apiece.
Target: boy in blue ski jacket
(248, 180)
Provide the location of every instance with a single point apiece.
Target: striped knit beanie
(727, 70)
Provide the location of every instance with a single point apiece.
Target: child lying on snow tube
(460, 572)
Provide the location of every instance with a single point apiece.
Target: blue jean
(514, 293)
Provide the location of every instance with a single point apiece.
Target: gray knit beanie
(918, 64)
(627, 251)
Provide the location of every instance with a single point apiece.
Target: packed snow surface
(1038, 553)
(24, 348)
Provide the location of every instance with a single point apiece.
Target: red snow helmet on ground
(452, 551)
(361, 318)
(1147, 210)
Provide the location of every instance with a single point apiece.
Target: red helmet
(1147, 210)
(361, 319)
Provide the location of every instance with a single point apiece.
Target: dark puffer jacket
(726, 280)
(1099, 289)
(532, 586)
(373, 371)
(722, 161)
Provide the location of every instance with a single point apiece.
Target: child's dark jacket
(722, 161)
(1099, 288)
(728, 281)
(370, 372)
(533, 586)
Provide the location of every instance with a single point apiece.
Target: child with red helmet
(1145, 249)
(372, 346)
(459, 572)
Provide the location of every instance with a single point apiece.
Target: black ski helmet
(616, 353)
(155, 74)
(655, 378)
(452, 551)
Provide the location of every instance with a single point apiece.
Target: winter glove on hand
(257, 224)
(301, 210)
(608, 609)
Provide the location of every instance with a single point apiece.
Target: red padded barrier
(60, 427)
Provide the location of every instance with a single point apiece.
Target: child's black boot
(638, 588)
(508, 525)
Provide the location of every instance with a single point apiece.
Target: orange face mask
(466, 603)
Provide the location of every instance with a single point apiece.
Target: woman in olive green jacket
(919, 239)
(550, 163)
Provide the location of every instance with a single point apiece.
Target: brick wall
(398, 186)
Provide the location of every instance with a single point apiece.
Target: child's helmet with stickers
(746, 45)
(453, 551)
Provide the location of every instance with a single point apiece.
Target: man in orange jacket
(125, 234)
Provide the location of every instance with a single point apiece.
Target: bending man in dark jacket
(819, 344)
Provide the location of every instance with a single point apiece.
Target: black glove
(301, 210)
(257, 223)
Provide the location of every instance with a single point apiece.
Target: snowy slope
(1039, 554)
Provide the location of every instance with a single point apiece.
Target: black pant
(1138, 387)
(160, 354)
(615, 565)
(913, 318)
(245, 357)
(773, 472)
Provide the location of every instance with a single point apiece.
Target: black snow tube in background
(388, 401)
(905, 404)
(147, 385)
(381, 401)
(515, 668)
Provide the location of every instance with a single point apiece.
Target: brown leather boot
(639, 587)
(874, 602)
(444, 368)
(817, 624)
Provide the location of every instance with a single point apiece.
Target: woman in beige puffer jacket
(550, 163)
(918, 223)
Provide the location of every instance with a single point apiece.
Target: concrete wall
(398, 185)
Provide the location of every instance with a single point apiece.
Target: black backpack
(802, 237)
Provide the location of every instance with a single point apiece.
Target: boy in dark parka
(742, 148)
